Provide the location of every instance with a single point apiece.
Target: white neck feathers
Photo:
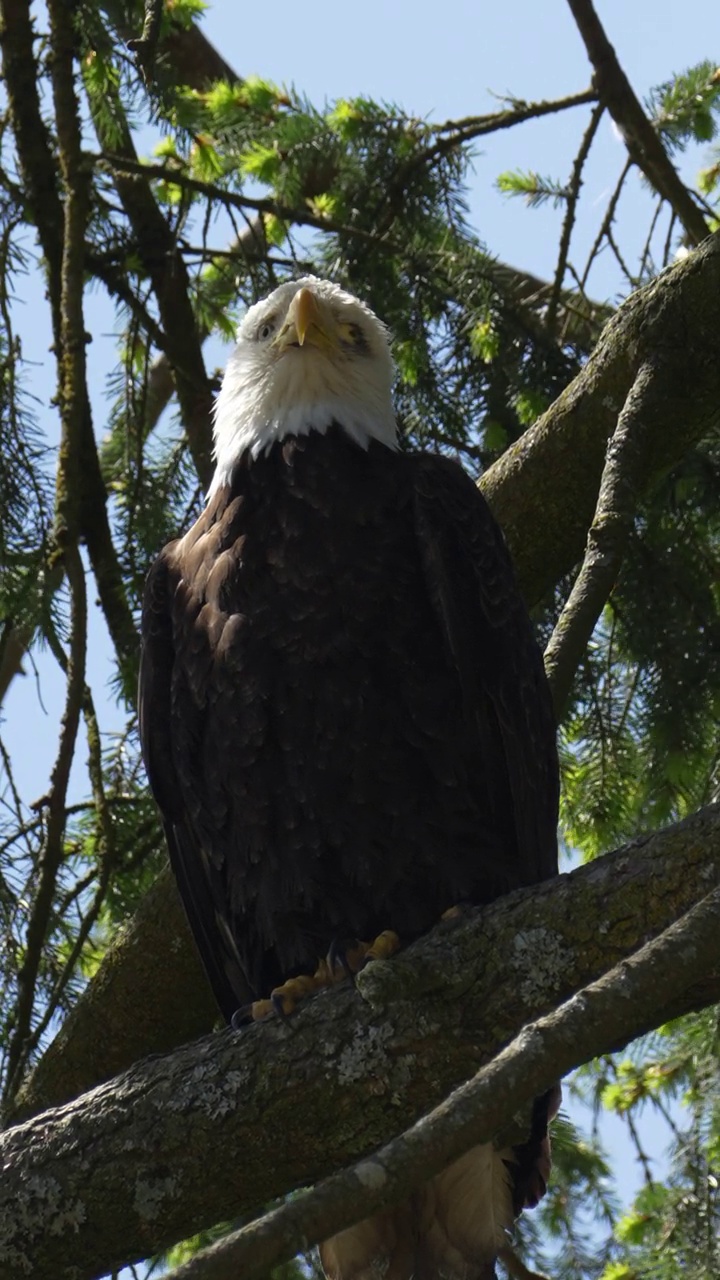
(274, 387)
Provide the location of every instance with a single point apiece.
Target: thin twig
(607, 221)
(570, 211)
(621, 261)
(460, 132)
(647, 247)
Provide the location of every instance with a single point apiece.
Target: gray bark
(223, 1126)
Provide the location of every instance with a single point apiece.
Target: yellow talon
(283, 999)
(260, 1010)
(286, 996)
(384, 946)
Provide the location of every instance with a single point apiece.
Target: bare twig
(646, 255)
(641, 139)
(459, 132)
(606, 224)
(570, 211)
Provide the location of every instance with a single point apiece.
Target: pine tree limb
(473, 1113)
(223, 1126)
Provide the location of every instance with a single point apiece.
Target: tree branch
(143, 1161)
(159, 253)
(459, 132)
(641, 139)
(620, 488)
(40, 180)
(550, 1047)
(543, 490)
(570, 211)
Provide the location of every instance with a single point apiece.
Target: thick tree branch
(544, 1050)
(641, 139)
(148, 1158)
(125, 1014)
(544, 488)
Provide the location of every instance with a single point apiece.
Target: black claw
(241, 1017)
(277, 1004)
(337, 955)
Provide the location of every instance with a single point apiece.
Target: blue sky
(439, 61)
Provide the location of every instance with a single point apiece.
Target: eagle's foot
(385, 945)
(283, 1000)
(341, 962)
(458, 912)
(347, 960)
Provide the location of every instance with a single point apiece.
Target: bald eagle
(343, 711)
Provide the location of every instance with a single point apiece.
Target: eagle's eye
(352, 336)
(265, 330)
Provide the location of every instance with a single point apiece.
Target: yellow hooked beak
(308, 321)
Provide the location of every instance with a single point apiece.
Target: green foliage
(534, 189)
(687, 108)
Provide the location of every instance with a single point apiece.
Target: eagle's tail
(454, 1226)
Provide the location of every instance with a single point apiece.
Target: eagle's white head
(308, 356)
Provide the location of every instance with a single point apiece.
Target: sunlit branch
(641, 139)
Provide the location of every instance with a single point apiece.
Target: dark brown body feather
(347, 728)
(343, 710)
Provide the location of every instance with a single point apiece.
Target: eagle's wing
(490, 640)
(455, 1225)
(197, 877)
